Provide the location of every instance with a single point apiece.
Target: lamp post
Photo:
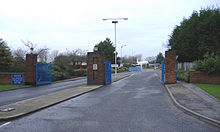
(115, 21)
(121, 52)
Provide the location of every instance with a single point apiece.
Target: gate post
(30, 72)
(170, 67)
(163, 72)
(108, 73)
(95, 68)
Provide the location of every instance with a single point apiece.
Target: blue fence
(134, 69)
(163, 72)
(43, 73)
(108, 73)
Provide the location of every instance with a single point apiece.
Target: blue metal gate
(108, 73)
(43, 73)
(163, 72)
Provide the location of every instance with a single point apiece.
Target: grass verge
(8, 87)
(212, 89)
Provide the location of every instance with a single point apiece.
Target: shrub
(79, 72)
(120, 69)
(183, 75)
(217, 65)
(128, 65)
(113, 70)
(58, 73)
(209, 65)
(16, 68)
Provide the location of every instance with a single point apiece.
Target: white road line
(5, 124)
(132, 75)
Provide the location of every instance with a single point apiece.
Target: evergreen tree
(197, 35)
(5, 56)
(159, 58)
(108, 49)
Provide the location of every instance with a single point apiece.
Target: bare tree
(77, 56)
(138, 57)
(42, 52)
(19, 53)
(151, 59)
(129, 59)
(30, 45)
(53, 55)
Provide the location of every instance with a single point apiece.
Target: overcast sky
(72, 24)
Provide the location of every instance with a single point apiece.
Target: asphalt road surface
(7, 97)
(138, 103)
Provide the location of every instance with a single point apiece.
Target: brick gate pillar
(170, 67)
(30, 72)
(95, 68)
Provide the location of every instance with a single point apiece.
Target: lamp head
(95, 48)
(114, 21)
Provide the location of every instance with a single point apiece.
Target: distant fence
(186, 65)
(134, 69)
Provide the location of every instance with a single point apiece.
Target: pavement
(31, 105)
(194, 101)
(71, 79)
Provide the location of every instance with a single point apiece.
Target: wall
(199, 77)
(6, 78)
(30, 74)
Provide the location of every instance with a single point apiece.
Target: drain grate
(6, 109)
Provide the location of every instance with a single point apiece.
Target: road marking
(5, 124)
(132, 75)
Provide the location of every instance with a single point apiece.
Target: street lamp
(95, 49)
(121, 52)
(115, 21)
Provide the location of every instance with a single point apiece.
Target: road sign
(95, 67)
(17, 79)
(114, 65)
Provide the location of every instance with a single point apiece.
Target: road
(7, 97)
(138, 103)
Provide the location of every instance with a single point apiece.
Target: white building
(141, 63)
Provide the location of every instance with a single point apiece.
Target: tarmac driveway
(138, 103)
